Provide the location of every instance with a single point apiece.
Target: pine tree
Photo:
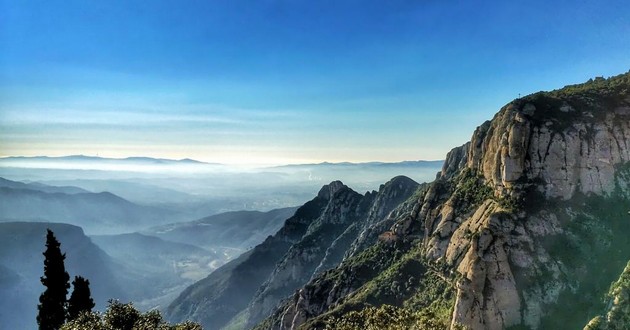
(52, 302)
(80, 299)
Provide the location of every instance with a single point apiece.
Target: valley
(314, 165)
(144, 251)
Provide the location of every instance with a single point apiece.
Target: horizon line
(202, 162)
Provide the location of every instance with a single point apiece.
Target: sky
(292, 81)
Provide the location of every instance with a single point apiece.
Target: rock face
(564, 149)
(246, 290)
(527, 223)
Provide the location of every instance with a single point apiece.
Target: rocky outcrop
(301, 260)
(486, 295)
(324, 246)
(214, 300)
(386, 208)
(544, 149)
(527, 222)
(315, 239)
(562, 149)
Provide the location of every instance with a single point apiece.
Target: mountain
(4, 183)
(361, 176)
(49, 161)
(155, 271)
(142, 193)
(238, 230)
(22, 264)
(524, 227)
(96, 212)
(313, 240)
(349, 165)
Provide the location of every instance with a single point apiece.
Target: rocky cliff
(526, 226)
(315, 239)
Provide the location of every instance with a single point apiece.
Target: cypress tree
(80, 299)
(52, 302)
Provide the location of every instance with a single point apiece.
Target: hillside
(526, 226)
(238, 230)
(155, 271)
(22, 264)
(617, 313)
(103, 213)
(4, 183)
(311, 241)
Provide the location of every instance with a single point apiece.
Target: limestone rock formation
(527, 224)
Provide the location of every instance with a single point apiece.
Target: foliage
(412, 289)
(121, 316)
(592, 98)
(385, 317)
(595, 237)
(81, 299)
(618, 314)
(52, 302)
(84, 321)
(616, 86)
(470, 190)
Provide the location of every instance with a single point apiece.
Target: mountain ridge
(280, 264)
(95, 212)
(106, 159)
(509, 234)
(513, 227)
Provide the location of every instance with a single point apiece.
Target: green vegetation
(52, 303)
(616, 86)
(411, 292)
(121, 316)
(592, 99)
(595, 237)
(470, 191)
(81, 298)
(385, 317)
(617, 316)
(77, 313)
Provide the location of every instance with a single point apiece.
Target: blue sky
(286, 81)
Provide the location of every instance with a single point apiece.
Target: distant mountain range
(524, 227)
(50, 161)
(410, 163)
(82, 158)
(96, 212)
(235, 230)
(4, 183)
(148, 270)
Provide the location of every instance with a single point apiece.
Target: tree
(80, 299)
(121, 316)
(52, 302)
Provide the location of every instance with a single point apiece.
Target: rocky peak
(510, 258)
(455, 160)
(568, 140)
(329, 190)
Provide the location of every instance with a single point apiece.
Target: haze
(280, 82)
